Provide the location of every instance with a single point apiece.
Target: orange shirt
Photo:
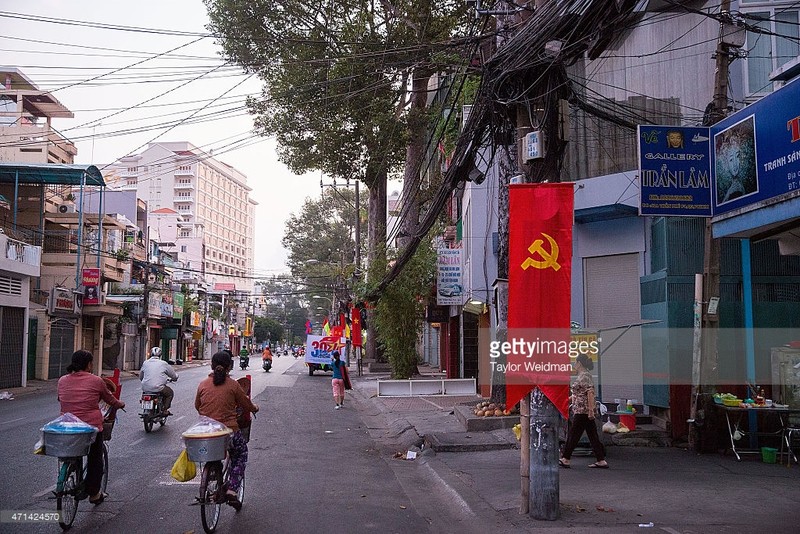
(220, 402)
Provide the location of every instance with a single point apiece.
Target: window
(767, 52)
(183, 248)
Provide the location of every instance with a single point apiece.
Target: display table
(733, 418)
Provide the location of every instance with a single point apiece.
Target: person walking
(218, 397)
(584, 407)
(337, 382)
(154, 374)
(80, 393)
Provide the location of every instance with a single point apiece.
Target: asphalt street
(311, 468)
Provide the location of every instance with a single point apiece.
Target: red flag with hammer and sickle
(539, 278)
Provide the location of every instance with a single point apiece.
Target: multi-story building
(26, 135)
(212, 199)
(51, 221)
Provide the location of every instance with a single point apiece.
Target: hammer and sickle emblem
(549, 259)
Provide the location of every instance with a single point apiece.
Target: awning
(50, 173)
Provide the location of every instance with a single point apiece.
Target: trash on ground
(646, 525)
(411, 455)
(6, 395)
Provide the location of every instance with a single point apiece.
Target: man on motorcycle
(155, 374)
(266, 354)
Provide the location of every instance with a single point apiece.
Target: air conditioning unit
(66, 208)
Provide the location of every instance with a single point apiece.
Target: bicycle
(70, 486)
(72, 471)
(214, 481)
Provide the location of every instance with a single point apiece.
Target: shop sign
(757, 152)
(674, 171)
(437, 314)
(62, 302)
(154, 304)
(166, 305)
(449, 277)
(196, 319)
(91, 283)
(177, 305)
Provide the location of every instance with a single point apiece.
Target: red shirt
(79, 394)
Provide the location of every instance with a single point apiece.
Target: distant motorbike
(266, 365)
(152, 411)
(244, 362)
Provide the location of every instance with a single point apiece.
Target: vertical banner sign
(91, 285)
(539, 278)
(355, 331)
(449, 285)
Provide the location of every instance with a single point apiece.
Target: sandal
(562, 463)
(598, 465)
(99, 500)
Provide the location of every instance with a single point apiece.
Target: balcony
(60, 248)
(185, 170)
(184, 185)
(19, 257)
(182, 199)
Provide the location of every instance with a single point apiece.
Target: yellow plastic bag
(184, 469)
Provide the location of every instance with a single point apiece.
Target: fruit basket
(731, 402)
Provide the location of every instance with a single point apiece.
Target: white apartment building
(212, 198)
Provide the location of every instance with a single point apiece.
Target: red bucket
(629, 421)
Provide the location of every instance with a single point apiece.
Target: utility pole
(706, 376)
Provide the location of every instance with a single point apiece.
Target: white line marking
(138, 441)
(44, 492)
(12, 420)
(179, 418)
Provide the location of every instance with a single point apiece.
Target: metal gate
(62, 345)
(11, 357)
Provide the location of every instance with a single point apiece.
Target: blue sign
(674, 171)
(756, 154)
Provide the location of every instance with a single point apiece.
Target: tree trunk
(376, 250)
(415, 156)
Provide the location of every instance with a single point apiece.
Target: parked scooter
(151, 410)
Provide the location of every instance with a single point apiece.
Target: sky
(128, 86)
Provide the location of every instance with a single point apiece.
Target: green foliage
(321, 238)
(400, 312)
(265, 328)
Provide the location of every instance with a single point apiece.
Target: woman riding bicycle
(80, 393)
(217, 397)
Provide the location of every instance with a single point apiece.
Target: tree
(345, 86)
(266, 329)
(321, 239)
(401, 311)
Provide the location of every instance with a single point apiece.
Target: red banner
(539, 291)
(91, 285)
(355, 327)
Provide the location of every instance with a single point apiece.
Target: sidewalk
(675, 489)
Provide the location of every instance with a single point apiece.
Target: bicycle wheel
(67, 496)
(210, 490)
(104, 480)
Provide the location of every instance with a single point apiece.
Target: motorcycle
(244, 362)
(151, 410)
(266, 365)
